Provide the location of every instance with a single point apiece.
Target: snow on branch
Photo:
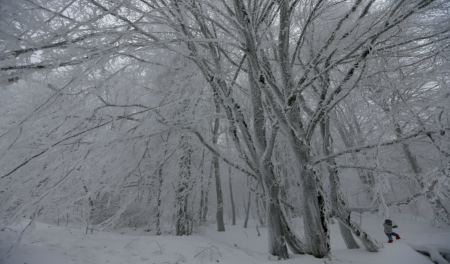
(55, 144)
(213, 150)
(370, 169)
(438, 254)
(374, 145)
(377, 207)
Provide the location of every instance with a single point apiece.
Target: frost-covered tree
(121, 75)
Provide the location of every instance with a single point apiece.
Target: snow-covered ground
(48, 244)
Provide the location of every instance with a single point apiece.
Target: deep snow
(49, 244)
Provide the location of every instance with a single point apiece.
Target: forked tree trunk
(344, 218)
(314, 216)
(281, 234)
(292, 240)
(327, 145)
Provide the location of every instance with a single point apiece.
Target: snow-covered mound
(48, 244)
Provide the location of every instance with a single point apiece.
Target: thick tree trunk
(314, 222)
(336, 205)
(349, 240)
(275, 226)
(314, 216)
(292, 240)
(219, 212)
(369, 243)
(280, 232)
(183, 224)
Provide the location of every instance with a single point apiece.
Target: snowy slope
(48, 244)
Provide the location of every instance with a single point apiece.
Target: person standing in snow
(388, 230)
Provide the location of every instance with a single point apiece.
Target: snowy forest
(181, 117)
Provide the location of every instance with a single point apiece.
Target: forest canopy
(165, 113)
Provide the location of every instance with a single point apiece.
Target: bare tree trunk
(280, 232)
(344, 218)
(349, 240)
(233, 213)
(295, 244)
(366, 177)
(339, 203)
(219, 213)
(334, 181)
(247, 209)
(90, 205)
(202, 191)
(440, 211)
(206, 197)
(276, 228)
(258, 213)
(158, 201)
(183, 224)
(314, 216)
(202, 199)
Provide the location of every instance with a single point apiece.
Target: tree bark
(183, 224)
(258, 212)
(334, 181)
(349, 240)
(275, 226)
(233, 212)
(158, 201)
(219, 213)
(440, 211)
(206, 195)
(314, 217)
(247, 209)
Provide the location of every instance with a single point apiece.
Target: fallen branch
(130, 242)
(161, 247)
(209, 252)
